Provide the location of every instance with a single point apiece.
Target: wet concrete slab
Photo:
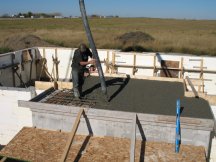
(145, 96)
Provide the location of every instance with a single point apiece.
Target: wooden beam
(113, 63)
(192, 87)
(133, 139)
(45, 85)
(71, 136)
(167, 68)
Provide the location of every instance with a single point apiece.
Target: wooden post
(13, 75)
(113, 62)
(134, 64)
(107, 62)
(182, 68)
(192, 87)
(44, 53)
(56, 63)
(201, 77)
(71, 136)
(133, 139)
(154, 66)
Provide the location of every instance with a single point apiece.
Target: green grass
(185, 36)
(5, 50)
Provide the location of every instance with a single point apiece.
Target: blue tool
(178, 136)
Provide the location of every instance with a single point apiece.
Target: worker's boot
(76, 93)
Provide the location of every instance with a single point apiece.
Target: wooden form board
(45, 85)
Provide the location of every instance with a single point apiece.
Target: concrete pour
(145, 96)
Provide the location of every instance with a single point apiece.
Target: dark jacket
(79, 57)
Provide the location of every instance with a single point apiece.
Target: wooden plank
(192, 87)
(194, 59)
(3, 159)
(167, 68)
(199, 67)
(133, 139)
(44, 53)
(45, 85)
(71, 136)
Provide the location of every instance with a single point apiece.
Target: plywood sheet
(47, 146)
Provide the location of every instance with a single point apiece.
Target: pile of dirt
(135, 37)
(17, 42)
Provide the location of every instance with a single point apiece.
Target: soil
(145, 96)
(135, 37)
(47, 146)
(20, 41)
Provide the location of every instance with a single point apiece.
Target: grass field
(184, 36)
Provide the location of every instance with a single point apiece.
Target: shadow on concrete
(143, 144)
(112, 82)
(88, 124)
(122, 85)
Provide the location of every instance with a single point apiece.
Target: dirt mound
(135, 37)
(18, 42)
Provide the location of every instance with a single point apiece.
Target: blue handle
(177, 140)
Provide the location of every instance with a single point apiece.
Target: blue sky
(189, 9)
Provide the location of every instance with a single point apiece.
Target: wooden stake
(134, 64)
(71, 136)
(201, 75)
(113, 63)
(182, 68)
(44, 53)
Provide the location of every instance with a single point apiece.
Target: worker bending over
(80, 60)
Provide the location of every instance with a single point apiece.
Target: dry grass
(185, 36)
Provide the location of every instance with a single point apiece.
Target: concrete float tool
(93, 47)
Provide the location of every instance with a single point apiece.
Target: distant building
(22, 16)
(58, 17)
(32, 17)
